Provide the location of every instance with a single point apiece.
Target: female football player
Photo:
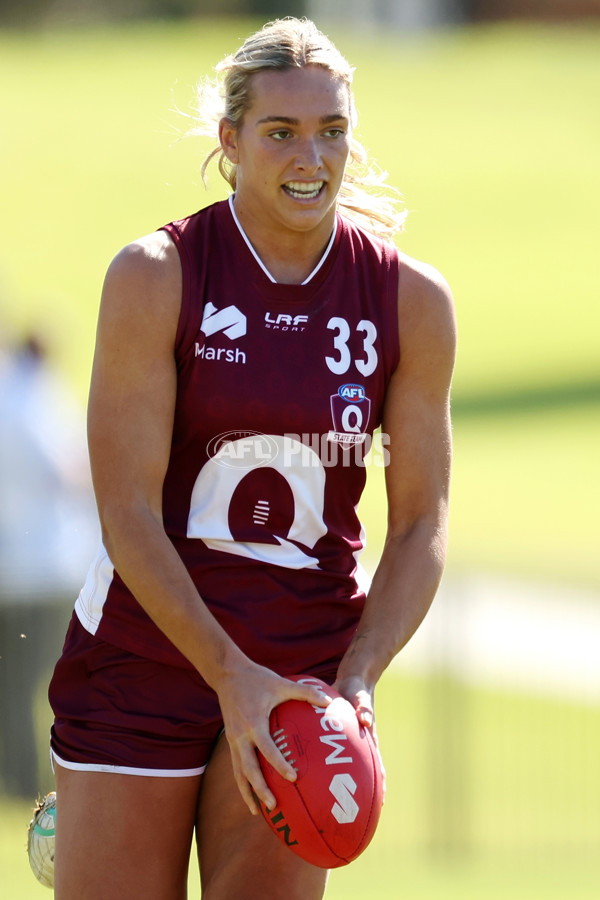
(244, 357)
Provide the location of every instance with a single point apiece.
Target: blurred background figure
(47, 536)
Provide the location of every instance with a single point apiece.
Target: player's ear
(228, 138)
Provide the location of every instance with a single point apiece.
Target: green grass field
(493, 136)
(486, 795)
(525, 496)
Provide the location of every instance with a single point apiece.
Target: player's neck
(289, 256)
(291, 262)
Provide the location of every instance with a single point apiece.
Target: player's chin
(301, 216)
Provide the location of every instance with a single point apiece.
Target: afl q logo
(352, 393)
(242, 449)
(350, 411)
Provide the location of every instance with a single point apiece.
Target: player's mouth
(303, 190)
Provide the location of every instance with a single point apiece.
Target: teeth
(304, 189)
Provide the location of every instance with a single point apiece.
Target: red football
(330, 813)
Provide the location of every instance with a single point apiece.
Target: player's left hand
(354, 689)
(360, 696)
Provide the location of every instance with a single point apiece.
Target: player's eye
(281, 135)
(335, 132)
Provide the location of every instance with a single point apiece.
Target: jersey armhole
(392, 312)
(187, 328)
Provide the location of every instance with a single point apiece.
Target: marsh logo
(343, 788)
(229, 320)
(232, 323)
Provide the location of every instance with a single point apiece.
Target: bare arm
(417, 420)
(130, 422)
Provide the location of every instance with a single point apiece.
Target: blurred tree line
(26, 13)
(32, 12)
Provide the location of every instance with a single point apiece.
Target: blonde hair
(282, 44)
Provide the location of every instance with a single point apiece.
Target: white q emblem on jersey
(216, 483)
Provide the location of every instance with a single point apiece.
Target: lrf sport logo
(285, 322)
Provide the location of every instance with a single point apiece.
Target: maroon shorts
(117, 712)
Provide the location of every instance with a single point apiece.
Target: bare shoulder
(151, 260)
(423, 290)
(426, 310)
(145, 277)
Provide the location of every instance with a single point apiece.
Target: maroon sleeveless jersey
(279, 390)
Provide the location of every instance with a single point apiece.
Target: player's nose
(308, 156)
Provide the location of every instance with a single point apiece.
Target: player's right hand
(247, 696)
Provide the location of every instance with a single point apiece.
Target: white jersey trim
(259, 260)
(124, 770)
(93, 594)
